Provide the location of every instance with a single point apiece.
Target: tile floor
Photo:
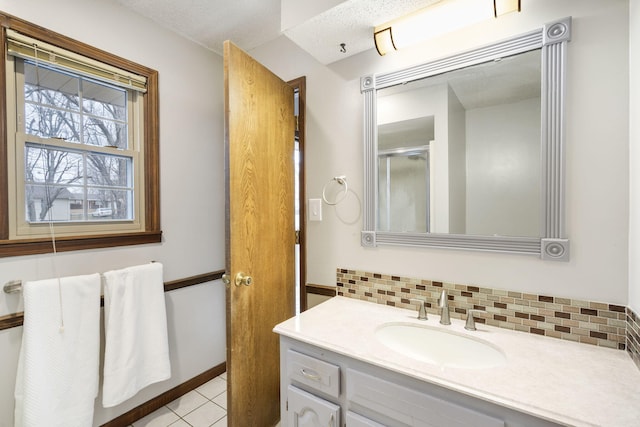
(206, 406)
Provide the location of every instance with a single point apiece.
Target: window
(75, 135)
(81, 146)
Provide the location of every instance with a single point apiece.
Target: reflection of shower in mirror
(404, 193)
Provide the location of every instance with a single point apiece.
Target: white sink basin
(440, 347)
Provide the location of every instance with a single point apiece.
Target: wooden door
(260, 235)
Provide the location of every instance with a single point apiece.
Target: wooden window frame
(152, 233)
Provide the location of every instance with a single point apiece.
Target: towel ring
(342, 180)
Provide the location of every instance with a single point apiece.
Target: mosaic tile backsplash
(633, 336)
(582, 321)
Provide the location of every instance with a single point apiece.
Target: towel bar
(13, 287)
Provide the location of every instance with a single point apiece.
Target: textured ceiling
(250, 23)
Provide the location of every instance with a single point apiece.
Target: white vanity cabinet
(322, 388)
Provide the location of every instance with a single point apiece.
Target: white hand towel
(57, 378)
(135, 320)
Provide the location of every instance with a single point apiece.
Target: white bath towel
(57, 378)
(135, 321)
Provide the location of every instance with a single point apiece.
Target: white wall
(634, 155)
(597, 158)
(192, 190)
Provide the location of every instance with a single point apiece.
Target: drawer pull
(331, 421)
(314, 377)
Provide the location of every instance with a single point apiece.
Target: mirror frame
(552, 40)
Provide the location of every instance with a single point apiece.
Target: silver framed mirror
(390, 142)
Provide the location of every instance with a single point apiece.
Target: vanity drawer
(411, 407)
(314, 373)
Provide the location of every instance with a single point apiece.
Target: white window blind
(36, 50)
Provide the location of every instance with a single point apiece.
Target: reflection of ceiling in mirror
(406, 133)
(496, 82)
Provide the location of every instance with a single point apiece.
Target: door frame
(299, 85)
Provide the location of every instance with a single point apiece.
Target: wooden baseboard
(168, 396)
(329, 291)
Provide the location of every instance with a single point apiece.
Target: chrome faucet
(422, 312)
(471, 322)
(443, 303)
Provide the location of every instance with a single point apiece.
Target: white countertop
(562, 381)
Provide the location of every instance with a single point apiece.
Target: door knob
(243, 279)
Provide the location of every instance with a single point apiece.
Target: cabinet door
(307, 410)
(355, 420)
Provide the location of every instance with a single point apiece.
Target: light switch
(315, 209)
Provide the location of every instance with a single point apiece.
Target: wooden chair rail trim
(329, 291)
(17, 319)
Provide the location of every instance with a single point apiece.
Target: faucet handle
(471, 322)
(422, 312)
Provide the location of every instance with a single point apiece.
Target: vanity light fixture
(440, 18)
